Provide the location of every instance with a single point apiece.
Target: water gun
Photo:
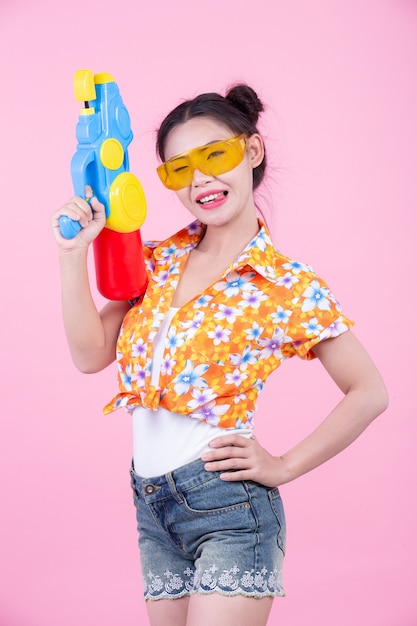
(101, 160)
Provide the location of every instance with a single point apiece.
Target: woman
(222, 310)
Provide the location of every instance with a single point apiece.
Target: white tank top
(162, 440)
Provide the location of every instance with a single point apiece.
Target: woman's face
(216, 200)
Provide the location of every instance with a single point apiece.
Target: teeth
(209, 198)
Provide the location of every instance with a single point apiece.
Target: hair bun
(246, 100)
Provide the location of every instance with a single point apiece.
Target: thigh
(214, 609)
(168, 612)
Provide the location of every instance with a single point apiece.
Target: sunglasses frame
(238, 143)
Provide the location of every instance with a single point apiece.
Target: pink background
(339, 79)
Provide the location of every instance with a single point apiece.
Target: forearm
(91, 334)
(248, 460)
(82, 322)
(344, 424)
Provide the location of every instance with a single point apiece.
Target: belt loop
(171, 485)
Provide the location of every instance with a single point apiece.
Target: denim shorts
(198, 533)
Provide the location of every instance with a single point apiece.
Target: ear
(255, 150)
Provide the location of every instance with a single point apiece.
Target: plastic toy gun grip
(69, 228)
(81, 163)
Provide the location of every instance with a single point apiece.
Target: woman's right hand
(92, 220)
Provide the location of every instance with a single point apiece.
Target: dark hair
(239, 110)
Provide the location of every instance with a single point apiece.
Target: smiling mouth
(212, 197)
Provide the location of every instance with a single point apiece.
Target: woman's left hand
(239, 458)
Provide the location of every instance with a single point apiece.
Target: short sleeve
(316, 316)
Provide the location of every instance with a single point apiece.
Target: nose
(199, 178)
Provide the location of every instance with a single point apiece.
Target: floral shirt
(222, 345)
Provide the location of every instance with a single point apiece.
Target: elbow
(378, 400)
(371, 400)
(383, 400)
(87, 368)
(91, 363)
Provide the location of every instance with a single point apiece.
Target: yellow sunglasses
(212, 159)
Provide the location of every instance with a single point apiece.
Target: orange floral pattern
(222, 345)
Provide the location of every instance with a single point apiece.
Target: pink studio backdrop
(339, 79)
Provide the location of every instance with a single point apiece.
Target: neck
(228, 240)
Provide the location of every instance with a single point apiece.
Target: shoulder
(275, 266)
(301, 280)
(296, 282)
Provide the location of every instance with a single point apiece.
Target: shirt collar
(259, 254)
(181, 243)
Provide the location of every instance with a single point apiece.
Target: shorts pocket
(278, 509)
(216, 497)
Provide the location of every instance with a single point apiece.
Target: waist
(164, 441)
